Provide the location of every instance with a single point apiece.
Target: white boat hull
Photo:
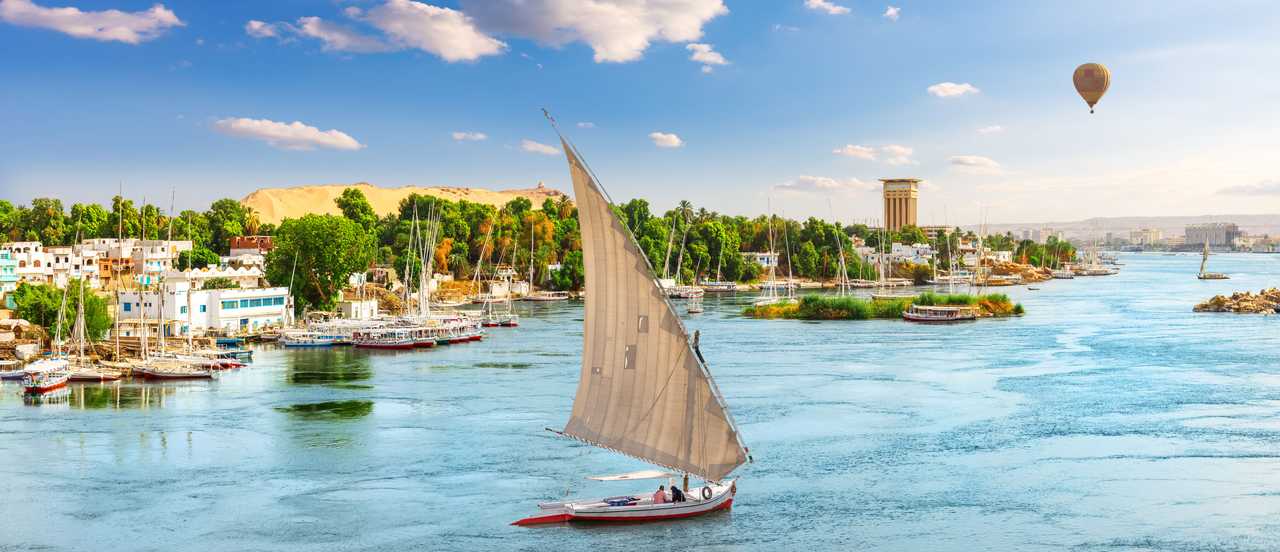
(641, 511)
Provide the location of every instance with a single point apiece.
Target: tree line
(316, 254)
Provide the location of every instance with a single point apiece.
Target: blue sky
(186, 95)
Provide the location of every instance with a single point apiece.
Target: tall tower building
(901, 198)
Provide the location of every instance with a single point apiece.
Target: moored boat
(939, 314)
(384, 338)
(43, 376)
(170, 369)
(547, 296)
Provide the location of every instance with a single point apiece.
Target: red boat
(38, 382)
(384, 338)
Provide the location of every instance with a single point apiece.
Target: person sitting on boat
(660, 497)
(676, 494)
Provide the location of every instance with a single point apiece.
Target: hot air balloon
(1092, 80)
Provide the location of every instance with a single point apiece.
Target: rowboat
(644, 388)
(547, 296)
(939, 314)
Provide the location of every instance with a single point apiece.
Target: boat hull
(597, 512)
(39, 389)
(388, 346)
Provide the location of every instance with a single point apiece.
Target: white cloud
(586, 124)
(470, 136)
(992, 129)
(261, 29)
(975, 164)
(860, 152)
(617, 31)
(290, 136)
(339, 38)
(806, 184)
(892, 12)
(1264, 188)
(447, 33)
(779, 27)
(898, 155)
(826, 6)
(950, 89)
(706, 55)
(665, 140)
(106, 25)
(538, 147)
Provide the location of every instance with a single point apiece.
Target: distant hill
(276, 204)
(1120, 226)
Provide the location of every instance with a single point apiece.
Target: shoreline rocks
(1266, 301)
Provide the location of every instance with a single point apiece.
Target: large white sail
(643, 390)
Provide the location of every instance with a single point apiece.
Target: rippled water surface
(1109, 417)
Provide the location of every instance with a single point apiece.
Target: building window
(182, 310)
(202, 308)
(128, 307)
(229, 304)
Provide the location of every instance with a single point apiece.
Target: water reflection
(87, 396)
(328, 366)
(329, 410)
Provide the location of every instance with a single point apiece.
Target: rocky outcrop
(1266, 301)
(1027, 272)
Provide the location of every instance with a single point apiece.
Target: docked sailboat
(644, 389)
(44, 376)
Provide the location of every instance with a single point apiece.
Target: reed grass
(832, 307)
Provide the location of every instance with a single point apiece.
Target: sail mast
(644, 388)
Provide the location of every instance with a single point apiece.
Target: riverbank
(830, 307)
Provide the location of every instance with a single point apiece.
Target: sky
(794, 106)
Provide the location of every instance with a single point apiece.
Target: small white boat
(10, 371)
(1063, 274)
(719, 287)
(547, 296)
(170, 369)
(639, 507)
(939, 314)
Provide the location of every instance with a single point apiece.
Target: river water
(1109, 417)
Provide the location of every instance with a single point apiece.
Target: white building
(139, 256)
(356, 309)
(766, 259)
(37, 264)
(245, 277)
(199, 311)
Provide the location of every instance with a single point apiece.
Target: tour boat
(43, 376)
(719, 287)
(306, 339)
(645, 390)
(936, 314)
(384, 338)
(1063, 274)
(8, 372)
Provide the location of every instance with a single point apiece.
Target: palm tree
(251, 221)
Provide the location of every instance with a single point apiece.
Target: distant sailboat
(1204, 262)
(644, 389)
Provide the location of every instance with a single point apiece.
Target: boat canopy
(643, 389)
(636, 475)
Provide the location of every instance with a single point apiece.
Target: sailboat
(1204, 261)
(644, 389)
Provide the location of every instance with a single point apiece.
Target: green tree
(220, 283)
(356, 207)
(227, 219)
(327, 250)
(46, 219)
(571, 274)
(39, 304)
(198, 257)
(89, 220)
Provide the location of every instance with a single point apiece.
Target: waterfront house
(766, 259)
(184, 309)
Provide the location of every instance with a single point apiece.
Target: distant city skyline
(734, 106)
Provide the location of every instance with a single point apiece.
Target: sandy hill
(276, 204)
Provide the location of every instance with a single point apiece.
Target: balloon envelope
(1091, 80)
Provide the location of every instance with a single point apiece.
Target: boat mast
(115, 272)
(142, 287)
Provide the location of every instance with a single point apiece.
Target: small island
(835, 307)
(1266, 301)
